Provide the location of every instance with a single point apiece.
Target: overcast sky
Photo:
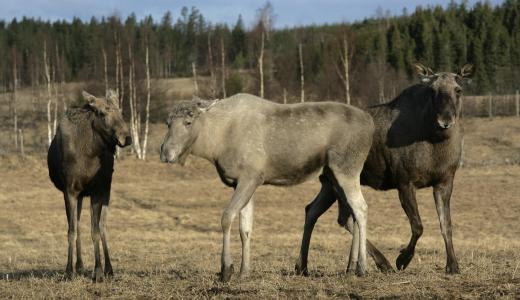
(288, 12)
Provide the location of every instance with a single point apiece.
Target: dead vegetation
(164, 225)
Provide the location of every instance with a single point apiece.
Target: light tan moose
(252, 142)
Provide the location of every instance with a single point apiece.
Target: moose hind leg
(313, 211)
(79, 260)
(71, 202)
(349, 192)
(95, 215)
(103, 226)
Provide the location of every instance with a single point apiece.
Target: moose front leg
(243, 193)
(246, 227)
(409, 204)
(442, 195)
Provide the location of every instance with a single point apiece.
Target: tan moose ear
(112, 98)
(205, 105)
(95, 103)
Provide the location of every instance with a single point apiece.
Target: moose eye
(458, 91)
(187, 123)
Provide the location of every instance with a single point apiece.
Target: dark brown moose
(81, 161)
(417, 144)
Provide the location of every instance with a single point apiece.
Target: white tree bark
(49, 93)
(211, 71)
(195, 84)
(223, 60)
(105, 71)
(15, 111)
(302, 78)
(261, 64)
(136, 145)
(344, 76)
(145, 142)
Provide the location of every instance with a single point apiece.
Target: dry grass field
(164, 232)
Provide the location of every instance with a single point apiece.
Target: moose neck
(209, 127)
(100, 142)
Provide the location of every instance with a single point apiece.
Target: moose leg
(349, 192)
(313, 211)
(103, 225)
(379, 259)
(442, 195)
(409, 204)
(71, 202)
(246, 227)
(243, 193)
(354, 248)
(79, 260)
(95, 215)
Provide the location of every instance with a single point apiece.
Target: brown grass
(164, 227)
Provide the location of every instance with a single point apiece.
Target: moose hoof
(79, 267)
(452, 269)
(97, 275)
(244, 274)
(226, 273)
(361, 271)
(109, 272)
(68, 275)
(403, 260)
(385, 268)
(301, 271)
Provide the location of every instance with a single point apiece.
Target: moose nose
(128, 140)
(445, 124)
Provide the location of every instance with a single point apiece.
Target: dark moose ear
(464, 74)
(425, 74)
(95, 103)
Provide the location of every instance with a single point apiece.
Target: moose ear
(424, 73)
(112, 98)
(464, 74)
(205, 105)
(466, 70)
(93, 102)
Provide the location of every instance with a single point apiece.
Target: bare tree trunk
(55, 121)
(284, 96)
(261, 65)
(223, 60)
(49, 94)
(345, 61)
(15, 111)
(122, 74)
(211, 71)
(145, 142)
(117, 65)
(105, 71)
(194, 71)
(133, 107)
(302, 78)
(22, 149)
(60, 73)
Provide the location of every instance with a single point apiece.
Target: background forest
(151, 63)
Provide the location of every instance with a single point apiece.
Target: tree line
(368, 61)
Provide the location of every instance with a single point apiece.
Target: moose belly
(291, 171)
